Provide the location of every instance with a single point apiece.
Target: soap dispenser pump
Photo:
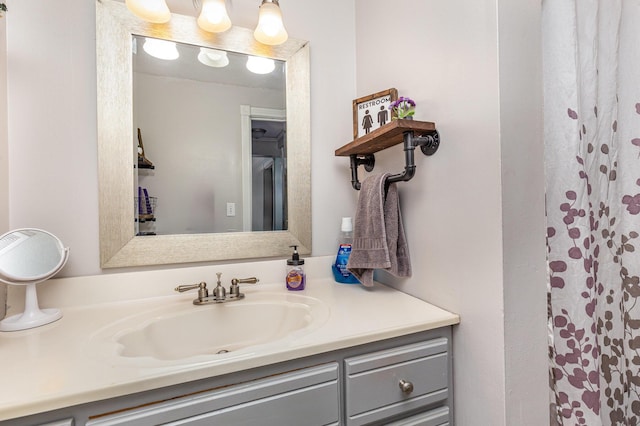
(295, 271)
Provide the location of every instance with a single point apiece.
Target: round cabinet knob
(406, 386)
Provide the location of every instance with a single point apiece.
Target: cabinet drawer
(67, 422)
(316, 405)
(373, 390)
(277, 401)
(437, 417)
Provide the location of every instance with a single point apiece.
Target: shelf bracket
(428, 143)
(366, 160)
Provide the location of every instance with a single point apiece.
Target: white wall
(52, 126)
(478, 202)
(4, 153)
(51, 80)
(523, 220)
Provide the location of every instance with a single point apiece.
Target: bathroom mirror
(29, 256)
(194, 157)
(119, 244)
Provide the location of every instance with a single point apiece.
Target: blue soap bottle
(339, 268)
(295, 272)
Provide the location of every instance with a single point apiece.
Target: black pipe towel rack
(411, 133)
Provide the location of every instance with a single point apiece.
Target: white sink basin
(182, 330)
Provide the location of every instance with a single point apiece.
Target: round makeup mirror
(29, 256)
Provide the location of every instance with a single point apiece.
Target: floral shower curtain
(592, 142)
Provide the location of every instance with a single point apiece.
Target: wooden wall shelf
(411, 133)
(384, 137)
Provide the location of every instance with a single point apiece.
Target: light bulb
(270, 29)
(161, 49)
(213, 58)
(213, 17)
(259, 65)
(154, 11)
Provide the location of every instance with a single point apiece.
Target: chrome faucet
(219, 293)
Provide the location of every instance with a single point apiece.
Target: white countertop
(57, 365)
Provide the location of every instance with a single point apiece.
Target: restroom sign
(372, 111)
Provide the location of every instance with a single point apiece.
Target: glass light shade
(154, 11)
(161, 49)
(258, 65)
(213, 58)
(270, 29)
(213, 17)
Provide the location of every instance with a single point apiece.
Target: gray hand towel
(379, 241)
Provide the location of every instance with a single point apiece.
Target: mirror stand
(32, 316)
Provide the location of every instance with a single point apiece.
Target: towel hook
(428, 143)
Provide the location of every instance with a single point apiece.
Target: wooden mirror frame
(119, 246)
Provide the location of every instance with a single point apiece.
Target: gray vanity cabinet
(289, 399)
(403, 381)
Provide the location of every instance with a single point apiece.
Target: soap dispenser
(295, 271)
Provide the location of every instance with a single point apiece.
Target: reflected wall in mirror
(195, 155)
(117, 142)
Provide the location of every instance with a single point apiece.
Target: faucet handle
(234, 290)
(202, 289)
(251, 280)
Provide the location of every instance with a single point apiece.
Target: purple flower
(403, 107)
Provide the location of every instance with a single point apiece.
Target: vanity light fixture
(213, 16)
(259, 65)
(213, 58)
(154, 11)
(270, 29)
(161, 49)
